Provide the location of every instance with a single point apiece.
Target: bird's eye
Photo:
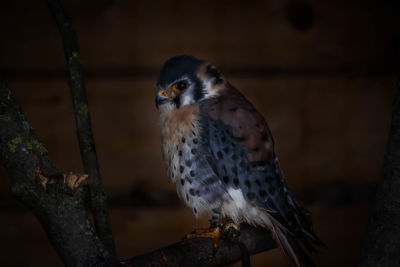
(179, 86)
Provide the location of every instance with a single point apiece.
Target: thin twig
(98, 198)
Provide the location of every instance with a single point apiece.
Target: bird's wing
(242, 146)
(243, 149)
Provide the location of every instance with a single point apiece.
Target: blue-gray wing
(241, 145)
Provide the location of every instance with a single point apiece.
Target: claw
(226, 229)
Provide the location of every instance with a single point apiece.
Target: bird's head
(186, 80)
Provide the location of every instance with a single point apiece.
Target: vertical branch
(98, 198)
(381, 243)
(37, 183)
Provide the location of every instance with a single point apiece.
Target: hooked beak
(162, 97)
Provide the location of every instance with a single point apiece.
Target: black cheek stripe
(177, 101)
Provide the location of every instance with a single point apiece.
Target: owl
(219, 152)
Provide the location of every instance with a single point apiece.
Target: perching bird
(219, 152)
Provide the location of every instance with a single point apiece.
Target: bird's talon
(213, 233)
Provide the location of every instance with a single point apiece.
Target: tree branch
(199, 252)
(381, 242)
(98, 197)
(37, 183)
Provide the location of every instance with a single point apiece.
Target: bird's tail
(290, 246)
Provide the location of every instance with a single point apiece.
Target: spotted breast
(188, 166)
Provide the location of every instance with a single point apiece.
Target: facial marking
(212, 85)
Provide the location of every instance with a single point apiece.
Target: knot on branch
(73, 181)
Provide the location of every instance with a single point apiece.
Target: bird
(219, 151)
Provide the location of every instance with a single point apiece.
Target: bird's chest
(180, 140)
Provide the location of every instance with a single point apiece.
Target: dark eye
(179, 86)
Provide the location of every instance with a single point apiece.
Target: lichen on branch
(39, 185)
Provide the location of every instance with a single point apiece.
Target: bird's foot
(213, 232)
(224, 229)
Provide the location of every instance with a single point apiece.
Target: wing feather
(242, 146)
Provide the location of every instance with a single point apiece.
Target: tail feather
(291, 247)
(307, 244)
(284, 244)
(303, 218)
(314, 238)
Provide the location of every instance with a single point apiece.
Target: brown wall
(320, 71)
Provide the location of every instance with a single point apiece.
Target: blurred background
(322, 73)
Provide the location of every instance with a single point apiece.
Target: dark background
(323, 73)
